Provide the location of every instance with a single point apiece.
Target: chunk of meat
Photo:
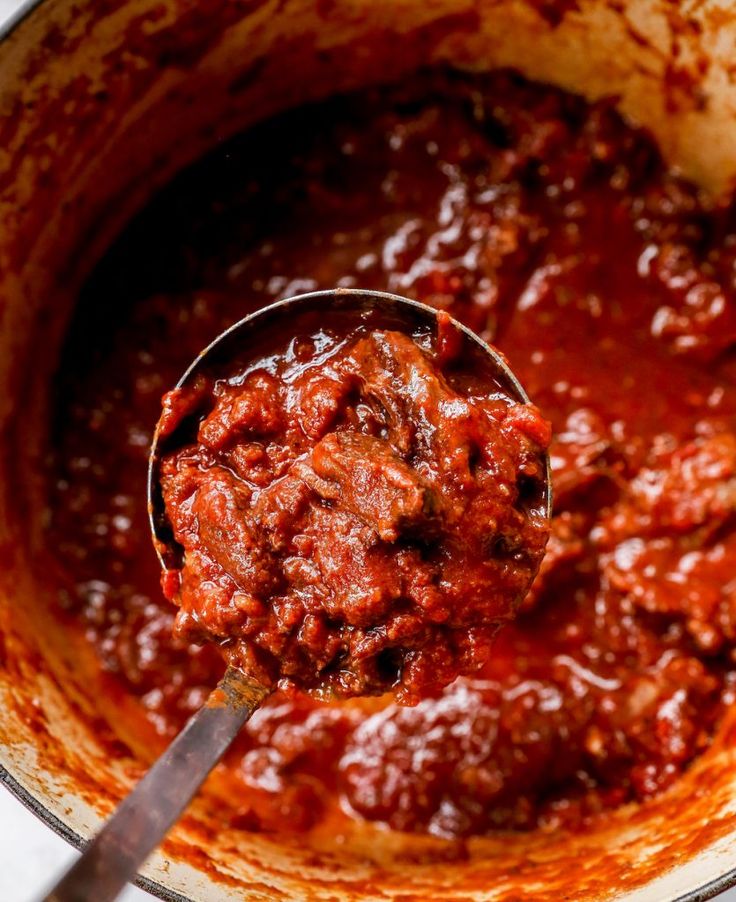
(226, 534)
(253, 412)
(380, 556)
(369, 478)
(485, 755)
(668, 553)
(697, 488)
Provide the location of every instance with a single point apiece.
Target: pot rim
(29, 801)
(23, 10)
(709, 890)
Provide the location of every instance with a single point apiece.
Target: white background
(30, 853)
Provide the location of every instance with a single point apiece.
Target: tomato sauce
(554, 230)
(357, 502)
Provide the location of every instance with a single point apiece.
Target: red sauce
(553, 229)
(359, 504)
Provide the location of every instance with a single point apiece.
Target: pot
(101, 103)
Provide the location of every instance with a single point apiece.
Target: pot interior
(102, 107)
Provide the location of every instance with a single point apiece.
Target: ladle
(145, 816)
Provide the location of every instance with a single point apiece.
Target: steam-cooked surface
(553, 229)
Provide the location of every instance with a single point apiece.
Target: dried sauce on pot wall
(552, 229)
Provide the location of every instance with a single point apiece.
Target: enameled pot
(101, 102)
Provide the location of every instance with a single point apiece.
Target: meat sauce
(360, 504)
(554, 230)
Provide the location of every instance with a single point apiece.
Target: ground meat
(380, 555)
(698, 319)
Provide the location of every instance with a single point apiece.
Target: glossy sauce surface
(553, 230)
(357, 501)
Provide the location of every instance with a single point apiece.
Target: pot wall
(100, 103)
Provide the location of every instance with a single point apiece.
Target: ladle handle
(142, 820)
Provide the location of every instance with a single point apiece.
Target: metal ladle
(146, 815)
